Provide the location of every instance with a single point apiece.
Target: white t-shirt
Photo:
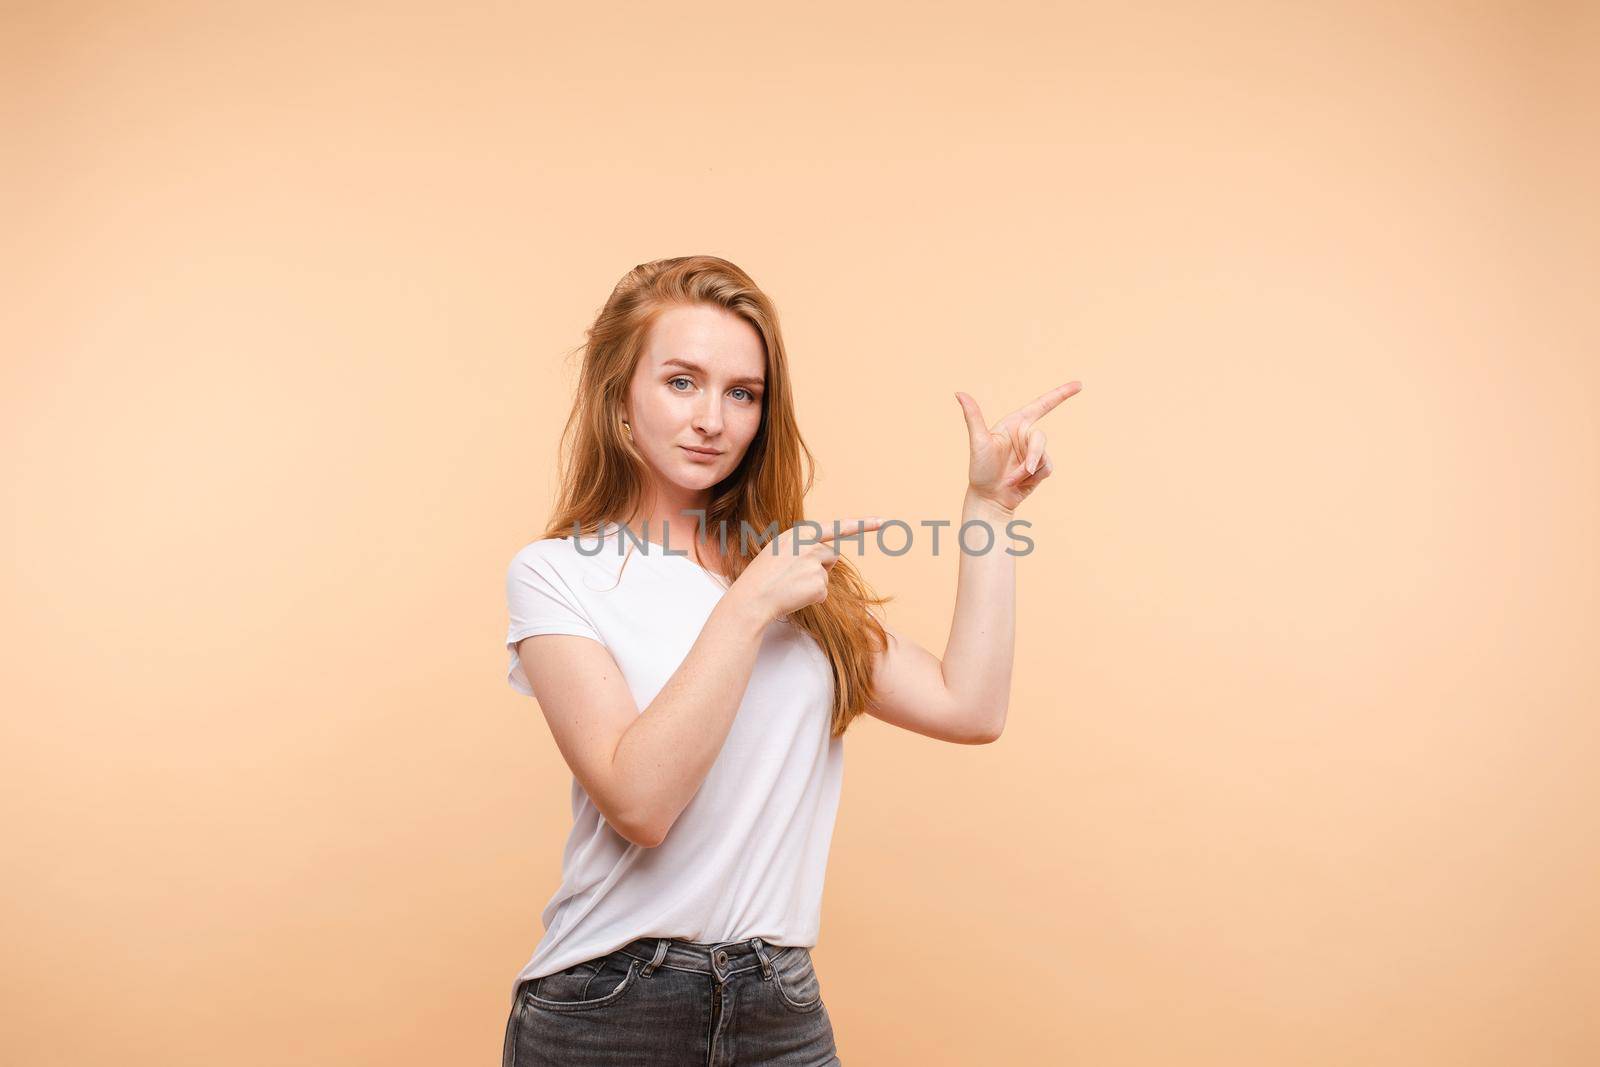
(747, 855)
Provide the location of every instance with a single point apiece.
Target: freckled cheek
(748, 433)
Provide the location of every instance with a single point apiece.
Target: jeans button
(721, 957)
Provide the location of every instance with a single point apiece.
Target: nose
(708, 416)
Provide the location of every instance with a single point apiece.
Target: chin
(692, 477)
(697, 480)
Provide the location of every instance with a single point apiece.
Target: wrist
(976, 505)
(746, 609)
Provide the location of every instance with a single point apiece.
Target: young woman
(698, 653)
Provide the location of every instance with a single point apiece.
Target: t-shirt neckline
(660, 552)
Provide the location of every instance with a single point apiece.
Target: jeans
(665, 1002)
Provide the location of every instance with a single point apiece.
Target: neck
(663, 521)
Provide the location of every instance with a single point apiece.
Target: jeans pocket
(795, 978)
(584, 986)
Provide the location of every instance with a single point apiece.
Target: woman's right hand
(785, 575)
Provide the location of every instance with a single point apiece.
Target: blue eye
(750, 397)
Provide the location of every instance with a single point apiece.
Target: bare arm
(962, 698)
(965, 696)
(641, 769)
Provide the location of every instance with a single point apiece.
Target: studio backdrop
(1298, 765)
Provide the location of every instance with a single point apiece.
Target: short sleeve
(539, 602)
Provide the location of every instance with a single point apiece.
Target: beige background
(1299, 767)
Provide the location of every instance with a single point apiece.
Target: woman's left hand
(1009, 461)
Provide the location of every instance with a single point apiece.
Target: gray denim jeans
(669, 1002)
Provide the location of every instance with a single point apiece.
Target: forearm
(978, 656)
(664, 756)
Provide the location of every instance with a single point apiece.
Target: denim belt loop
(766, 963)
(655, 961)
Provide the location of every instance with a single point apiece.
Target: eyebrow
(676, 362)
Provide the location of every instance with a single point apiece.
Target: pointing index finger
(1037, 409)
(849, 527)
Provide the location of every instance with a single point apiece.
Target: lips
(700, 451)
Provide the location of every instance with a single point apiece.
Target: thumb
(977, 429)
